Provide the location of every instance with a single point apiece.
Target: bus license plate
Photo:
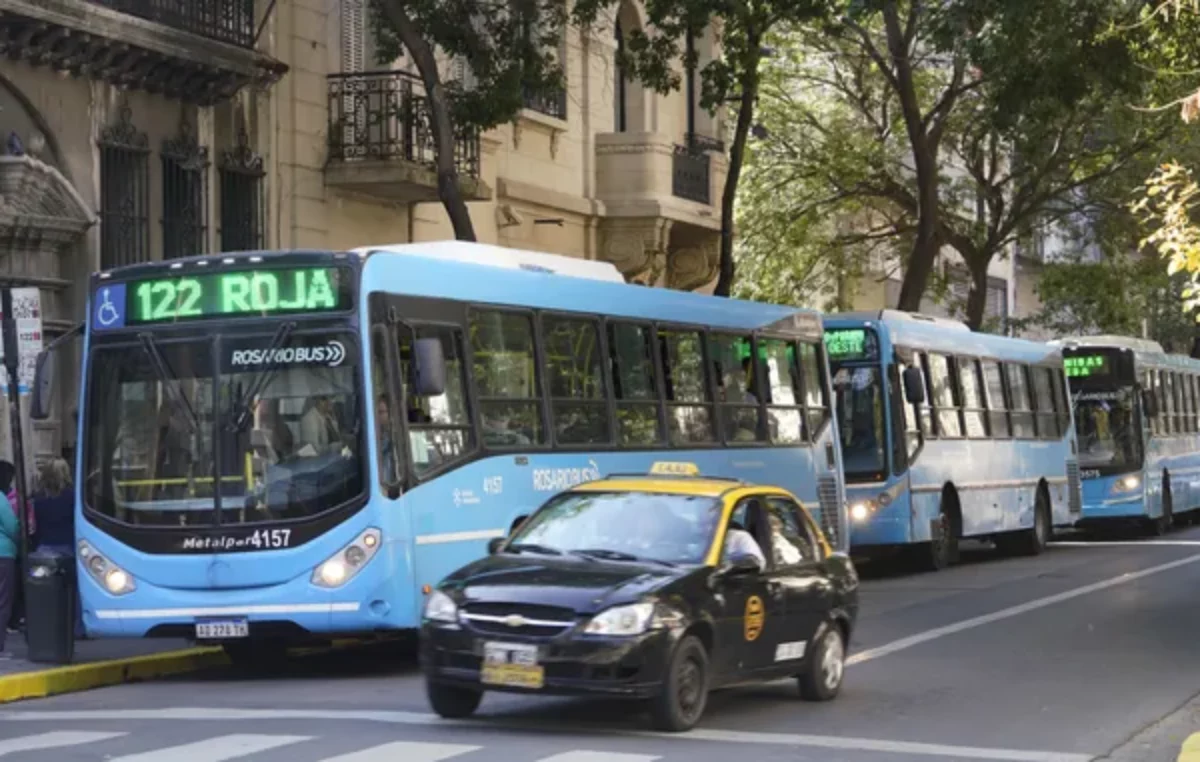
(233, 628)
(511, 664)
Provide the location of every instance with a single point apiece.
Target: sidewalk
(98, 663)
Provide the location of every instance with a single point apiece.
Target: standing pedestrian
(15, 615)
(54, 506)
(10, 542)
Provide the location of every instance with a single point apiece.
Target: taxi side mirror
(493, 546)
(742, 564)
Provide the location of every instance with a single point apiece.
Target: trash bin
(50, 592)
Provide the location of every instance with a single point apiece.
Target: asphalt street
(1090, 651)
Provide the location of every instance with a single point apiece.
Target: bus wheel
(1163, 523)
(1032, 541)
(942, 550)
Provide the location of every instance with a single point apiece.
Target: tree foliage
(967, 125)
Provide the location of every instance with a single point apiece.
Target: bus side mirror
(43, 385)
(914, 386)
(494, 544)
(1149, 404)
(429, 368)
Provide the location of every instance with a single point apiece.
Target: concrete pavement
(1087, 652)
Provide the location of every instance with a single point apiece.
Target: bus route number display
(1083, 366)
(233, 294)
(848, 344)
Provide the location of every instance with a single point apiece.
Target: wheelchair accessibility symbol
(109, 311)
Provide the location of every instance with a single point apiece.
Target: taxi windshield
(675, 529)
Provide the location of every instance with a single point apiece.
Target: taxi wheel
(451, 701)
(822, 676)
(684, 693)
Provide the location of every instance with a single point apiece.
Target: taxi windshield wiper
(521, 547)
(616, 555)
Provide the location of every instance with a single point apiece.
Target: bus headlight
(341, 567)
(1128, 483)
(111, 577)
(861, 510)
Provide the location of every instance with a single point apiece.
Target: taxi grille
(830, 515)
(1074, 495)
(535, 621)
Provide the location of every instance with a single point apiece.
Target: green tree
(932, 125)
(510, 48)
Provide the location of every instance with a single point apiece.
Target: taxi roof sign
(671, 468)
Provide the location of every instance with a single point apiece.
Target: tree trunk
(737, 153)
(439, 111)
(925, 248)
(977, 296)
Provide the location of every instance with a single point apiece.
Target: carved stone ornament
(123, 133)
(40, 211)
(694, 266)
(637, 247)
(242, 158)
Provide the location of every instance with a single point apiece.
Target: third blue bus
(949, 434)
(1136, 412)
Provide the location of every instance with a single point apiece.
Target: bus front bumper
(296, 610)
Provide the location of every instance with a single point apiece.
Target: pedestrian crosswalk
(248, 747)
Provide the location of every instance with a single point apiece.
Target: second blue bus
(949, 434)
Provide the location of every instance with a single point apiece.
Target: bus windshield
(1106, 423)
(163, 421)
(860, 415)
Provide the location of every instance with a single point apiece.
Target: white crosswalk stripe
(408, 751)
(216, 749)
(598, 756)
(53, 740)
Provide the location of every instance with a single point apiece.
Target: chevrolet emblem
(514, 620)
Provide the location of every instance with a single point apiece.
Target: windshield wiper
(616, 555)
(174, 393)
(521, 547)
(241, 411)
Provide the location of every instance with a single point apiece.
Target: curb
(1190, 751)
(82, 677)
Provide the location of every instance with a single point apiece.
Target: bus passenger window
(1060, 401)
(505, 373)
(389, 454)
(1022, 411)
(972, 397)
(631, 356)
(439, 429)
(942, 386)
(816, 400)
(574, 376)
(689, 408)
(784, 413)
(1043, 400)
(997, 407)
(733, 370)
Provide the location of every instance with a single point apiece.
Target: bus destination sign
(1084, 366)
(241, 293)
(850, 344)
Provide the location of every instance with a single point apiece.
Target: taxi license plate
(219, 630)
(511, 664)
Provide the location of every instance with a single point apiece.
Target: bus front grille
(830, 515)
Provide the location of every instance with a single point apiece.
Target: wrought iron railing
(551, 104)
(385, 115)
(698, 142)
(230, 21)
(690, 174)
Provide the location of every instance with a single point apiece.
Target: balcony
(197, 51)
(660, 223)
(553, 105)
(381, 140)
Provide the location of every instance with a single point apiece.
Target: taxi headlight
(111, 577)
(1128, 483)
(632, 619)
(440, 608)
(343, 565)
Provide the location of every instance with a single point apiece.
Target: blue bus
(292, 446)
(949, 434)
(1136, 411)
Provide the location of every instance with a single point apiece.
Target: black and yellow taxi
(658, 587)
